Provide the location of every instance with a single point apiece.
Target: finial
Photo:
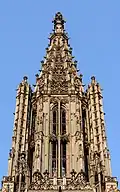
(73, 173)
(93, 79)
(75, 63)
(23, 155)
(58, 23)
(81, 76)
(46, 174)
(25, 78)
(70, 50)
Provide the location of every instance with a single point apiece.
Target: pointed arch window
(58, 140)
(54, 139)
(54, 121)
(63, 121)
(63, 141)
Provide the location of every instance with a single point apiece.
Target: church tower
(59, 139)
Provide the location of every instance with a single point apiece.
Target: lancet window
(54, 139)
(63, 141)
(58, 140)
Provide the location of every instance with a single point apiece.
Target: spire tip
(25, 78)
(59, 22)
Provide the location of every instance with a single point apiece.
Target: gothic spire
(59, 136)
(59, 71)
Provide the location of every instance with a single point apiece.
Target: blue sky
(94, 31)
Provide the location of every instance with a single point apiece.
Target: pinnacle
(93, 80)
(59, 18)
(25, 78)
(58, 23)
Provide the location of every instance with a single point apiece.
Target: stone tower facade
(59, 140)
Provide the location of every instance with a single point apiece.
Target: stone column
(81, 147)
(46, 132)
(73, 130)
(19, 125)
(68, 144)
(70, 137)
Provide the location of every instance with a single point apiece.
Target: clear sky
(94, 30)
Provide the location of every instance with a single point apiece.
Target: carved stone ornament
(41, 182)
(53, 137)
(54, 100)
(111, 184)
(77, 136)
(65, 138)
(8, 187)
(7, 179)
(40, 83)
(59, 84)
(111, 188)
(77, 84)
(64, 100)
(45, 99)
(8, 184)
(72, 99)
(11, 153)
(78, 182)
(110, 179)
(41, 119)
(78, 121)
